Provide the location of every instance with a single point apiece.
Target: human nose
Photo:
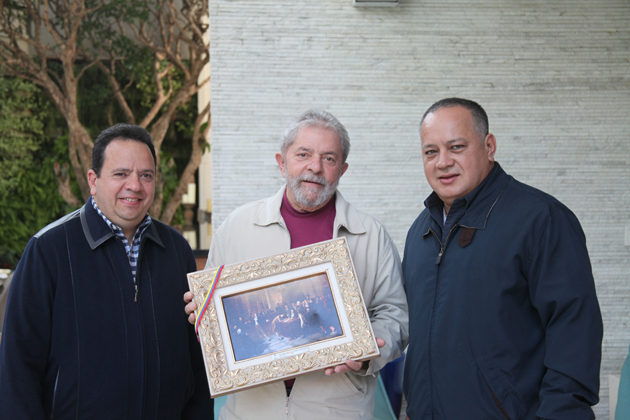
(133, 182)
(315, 165)
(443, 161)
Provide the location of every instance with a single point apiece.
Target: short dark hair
(480, 118)
(118, 132)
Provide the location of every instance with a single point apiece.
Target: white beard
(302, 197)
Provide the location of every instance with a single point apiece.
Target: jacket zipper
(437, 262)
(442, 246)
(135, 280)
(287, 407)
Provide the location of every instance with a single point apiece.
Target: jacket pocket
(499, 405)
(54, 397)
(503, 394)
(355, 383)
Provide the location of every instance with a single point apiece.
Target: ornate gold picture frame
(282, 316)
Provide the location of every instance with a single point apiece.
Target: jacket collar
(346, 216)
(97, 232)
(480, 207)
(480, 202)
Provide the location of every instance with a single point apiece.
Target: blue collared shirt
(134, 249)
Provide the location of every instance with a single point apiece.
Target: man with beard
(307, 210)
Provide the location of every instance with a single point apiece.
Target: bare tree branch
(161, 96)
(188, 176)
(118, 94)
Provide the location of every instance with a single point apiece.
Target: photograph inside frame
(282, 317)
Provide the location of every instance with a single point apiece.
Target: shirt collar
(346, 215)
(117, 230)
(435, 205)
(433, 201)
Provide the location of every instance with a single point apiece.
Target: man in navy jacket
(94, 325)
(504, 320)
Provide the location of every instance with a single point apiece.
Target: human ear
(280, 160)
(91, 177)
(344, 168)
(490, 142)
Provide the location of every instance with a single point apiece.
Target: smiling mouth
(130, 200)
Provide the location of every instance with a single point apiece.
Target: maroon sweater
(308, 228)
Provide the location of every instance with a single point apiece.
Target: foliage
(29, 194)
(21, 130)
(28, 119)
(149, 54)
(169, 171)
(32, 205)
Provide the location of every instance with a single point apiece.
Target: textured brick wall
(554, 79)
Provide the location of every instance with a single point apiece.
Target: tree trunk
(62, 174)
(80, 155)
(199, 138)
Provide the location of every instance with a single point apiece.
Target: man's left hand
(351, 364)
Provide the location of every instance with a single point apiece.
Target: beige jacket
(256, 230)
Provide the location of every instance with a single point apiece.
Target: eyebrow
(307, 149)
(448, 142)
(129, 170)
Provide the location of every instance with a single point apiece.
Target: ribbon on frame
(206, 302)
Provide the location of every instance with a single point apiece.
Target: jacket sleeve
(215, 253)
(388, 311)
(563, 291)
(200, 406)
(26, 338)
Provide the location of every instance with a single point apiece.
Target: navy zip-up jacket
(76, 344)
(505, 324)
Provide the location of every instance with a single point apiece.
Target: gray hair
(315, 118)
(480, 118)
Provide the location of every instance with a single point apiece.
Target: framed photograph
(282, 316)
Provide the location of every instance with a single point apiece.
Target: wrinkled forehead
(317, 136)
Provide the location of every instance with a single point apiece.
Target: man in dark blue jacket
(504, 320)
(94, 326)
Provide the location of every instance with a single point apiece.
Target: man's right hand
(190, 307)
